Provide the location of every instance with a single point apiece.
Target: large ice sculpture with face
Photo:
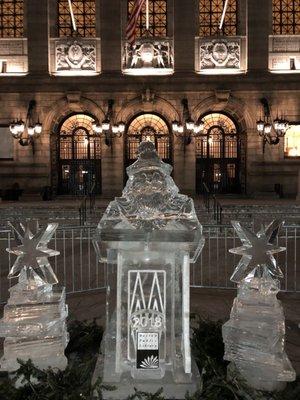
(147, 238)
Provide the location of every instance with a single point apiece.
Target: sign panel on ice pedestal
(146, 318)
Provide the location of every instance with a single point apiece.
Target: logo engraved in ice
(146, 302)
(150, 363)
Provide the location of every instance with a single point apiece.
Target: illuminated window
(85, 17)
(286, 17)
(148, 127)
(157, 18)
(77, 140)
(292, 142)
(150, 120)
(219, 139)
(11, 18)
(210, 12)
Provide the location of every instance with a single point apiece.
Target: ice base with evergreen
(148, 238)
(33, 323)
(254, 336)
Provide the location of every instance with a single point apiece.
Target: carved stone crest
(220, 53)
(157, 54)
(75, 55)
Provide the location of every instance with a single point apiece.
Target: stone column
(298, 187)
(185, 17)
(110, 28)
(37, 33)
(259, 29)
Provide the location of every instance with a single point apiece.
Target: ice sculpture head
(148, 160)
(152, 205)
(32, 265)
(257, 264)
(150, 199)
(149, 185)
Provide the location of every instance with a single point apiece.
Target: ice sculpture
(34, 318)
(254, 336)
(147, 238)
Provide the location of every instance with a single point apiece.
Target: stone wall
(237, 95)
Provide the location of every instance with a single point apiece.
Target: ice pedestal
(255, 334)
(34, 324)
(34, 328)
(148, 238)
(254, 340)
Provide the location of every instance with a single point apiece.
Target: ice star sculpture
(34, 318)
(257, 252)
(255, 334)
(33, 254)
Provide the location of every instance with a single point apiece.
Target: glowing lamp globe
(267, 128)
(30, 130)
(260, 125)
(121, 127)
(115, 128)
(38, 128)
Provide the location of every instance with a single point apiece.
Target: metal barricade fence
(76, 267)
(216, 264)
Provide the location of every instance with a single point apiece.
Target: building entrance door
(79, 157)
(218, 161)
(147, 127)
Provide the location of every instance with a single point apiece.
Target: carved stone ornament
(148, 96)
(148, 54)
(220, 54)
(75, 55)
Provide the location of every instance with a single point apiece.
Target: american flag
(133, 19)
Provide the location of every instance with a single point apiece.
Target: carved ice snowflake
(257, 251)
(33, 253)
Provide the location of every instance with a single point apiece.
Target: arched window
(157, 18)
(85, 17)
(79, 156)
(286, 17)
(11, 18)
(218, 155)
(292, 141)
(210, 12)
(148, 127)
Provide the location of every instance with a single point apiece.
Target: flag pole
(223, 14)
(72, 15)
(147, 15)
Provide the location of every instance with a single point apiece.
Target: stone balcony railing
(13, 56)
(74, 56)
(219, 55)
(284, 53)
(148, 56)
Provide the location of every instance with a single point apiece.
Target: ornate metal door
(218, 157)
(79, 157)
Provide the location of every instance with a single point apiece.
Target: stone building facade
(38, 67)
